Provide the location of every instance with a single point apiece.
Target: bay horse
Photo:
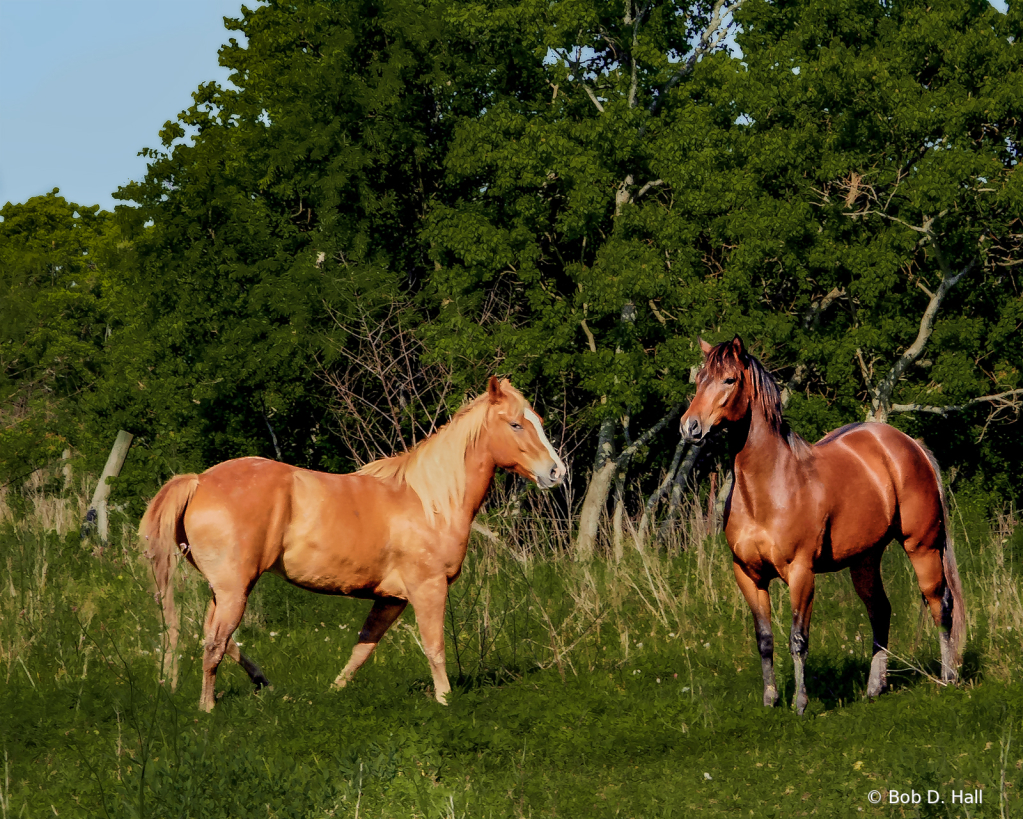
(797, 510)
(396, 531)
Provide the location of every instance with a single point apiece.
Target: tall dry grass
(522, 601)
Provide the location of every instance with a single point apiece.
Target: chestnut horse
(395, 532)
(796, 510)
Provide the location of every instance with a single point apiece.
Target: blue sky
(86, 84)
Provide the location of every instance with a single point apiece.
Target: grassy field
(627, 689)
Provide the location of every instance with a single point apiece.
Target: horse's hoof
(770, 697)
(800, 703)
(338, 684)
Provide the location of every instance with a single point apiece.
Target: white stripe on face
(534, 419)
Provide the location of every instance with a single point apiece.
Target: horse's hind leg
(759, 600)
(866, 577)
(381, 617)
(251, 666)
(221, 621)
(801, 586)
(235, 653)
(930, 575)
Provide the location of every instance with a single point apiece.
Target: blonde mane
(435, 468)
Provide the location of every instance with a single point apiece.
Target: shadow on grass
(497, 677)
(838, 681)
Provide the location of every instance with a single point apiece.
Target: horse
(396, 531)
(797, 510)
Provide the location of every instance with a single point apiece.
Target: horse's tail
(951, 570)
(159, 530)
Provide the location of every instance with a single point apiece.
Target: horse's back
(881, 483)
(880, 450)
(322, 531)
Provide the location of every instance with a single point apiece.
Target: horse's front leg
(759, 599)
(381, 617)
(801, 593)
(428, 599)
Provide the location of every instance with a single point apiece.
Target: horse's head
(722, 390)
(517, 440)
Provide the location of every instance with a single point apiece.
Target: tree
(624, 200)
(885, 140)
(275, 205)
(547, 262)
(57, 266)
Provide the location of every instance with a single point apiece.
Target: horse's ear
(737, 345)
(494, 389)
(705, 347)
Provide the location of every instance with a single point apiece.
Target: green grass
(626, 690)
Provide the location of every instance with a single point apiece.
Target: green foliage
(58, 282)
(576, 692)
(294, 198)
(567, 193)
(810, 195)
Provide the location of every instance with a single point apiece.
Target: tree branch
(651, 184)
(589, 336)
(711, 37)
(1001, 401)
(630, 450)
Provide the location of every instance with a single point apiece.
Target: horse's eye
(729, 381)
(515, 426)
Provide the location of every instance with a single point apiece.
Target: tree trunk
(616, 520)
(596, 492)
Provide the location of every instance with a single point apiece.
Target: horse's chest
(758, 545)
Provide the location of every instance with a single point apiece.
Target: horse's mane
(435, 468)
(765, 395)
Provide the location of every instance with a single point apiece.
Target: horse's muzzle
(554, 477)
(692, 430)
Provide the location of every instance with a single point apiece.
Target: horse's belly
(857, 525)
(336, 569)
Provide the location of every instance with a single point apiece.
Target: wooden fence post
(97, 515)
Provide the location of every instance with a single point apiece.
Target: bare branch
(1001, 402)
(589, 336)
(864, 370)
(577, 69)
(651, 184)
(916, 349)
(593, 97)
(820, 305)
(629, 451)
(795, 381)
(711, 37)
(385, 397)
(622, 195)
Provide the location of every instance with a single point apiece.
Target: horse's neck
(479, 474)
(763, 450)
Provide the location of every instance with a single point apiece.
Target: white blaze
(534, 419)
